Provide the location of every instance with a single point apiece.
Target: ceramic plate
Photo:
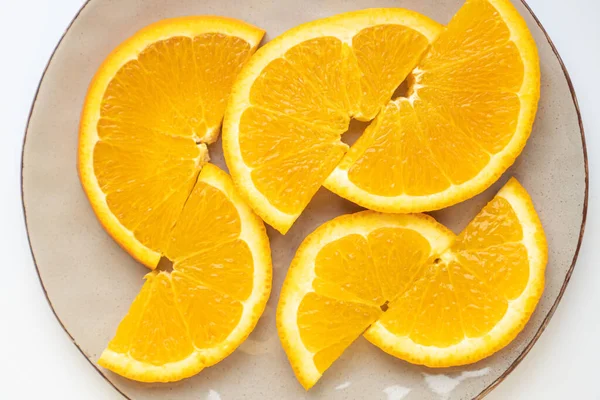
(90, 282)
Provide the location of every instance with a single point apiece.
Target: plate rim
(487, 389)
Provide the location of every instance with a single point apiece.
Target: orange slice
(467, 111)
(296, 96)
(198, 314)
(151, 109)
(421, 293)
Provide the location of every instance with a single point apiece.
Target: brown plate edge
(546, 320)
(523, 353)
(25, 210)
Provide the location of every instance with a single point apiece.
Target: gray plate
(90, 281)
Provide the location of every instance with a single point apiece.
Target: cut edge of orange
(339, 183)
(253, 232)
(298, 282)
(517, 315)
(88, 135)
(343, 26)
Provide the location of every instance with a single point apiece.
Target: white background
(37, 359)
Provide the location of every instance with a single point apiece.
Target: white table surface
(37, 359)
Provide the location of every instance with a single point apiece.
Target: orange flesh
(156, 116)
(199, 304)
(464, 93)
(308, 98)
(462, 108)
(153, 107)
(435, 299)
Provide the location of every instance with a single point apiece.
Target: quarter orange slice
(414, 288)
(198, 314)
(467, 111)
(151, 109)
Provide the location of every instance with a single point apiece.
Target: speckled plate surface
(90, 282)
